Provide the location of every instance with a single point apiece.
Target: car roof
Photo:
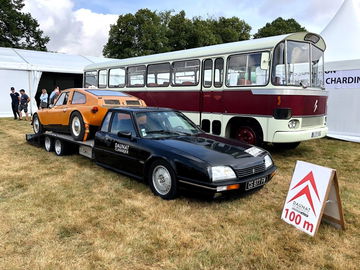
(141, 109)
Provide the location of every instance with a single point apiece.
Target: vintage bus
(261, 90)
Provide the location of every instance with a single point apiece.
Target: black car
(168, 150)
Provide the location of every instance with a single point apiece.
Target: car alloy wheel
(162, 180)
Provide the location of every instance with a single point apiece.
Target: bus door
(212, 87)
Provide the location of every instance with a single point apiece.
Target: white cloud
(71, 31)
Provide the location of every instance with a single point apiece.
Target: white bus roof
(226, 48)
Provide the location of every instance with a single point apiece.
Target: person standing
(24, 101)
(43, 99)
(14, 102)
(54, 94)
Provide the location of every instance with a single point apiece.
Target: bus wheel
(248, 134)
(292, 145)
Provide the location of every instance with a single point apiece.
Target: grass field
(69, 213)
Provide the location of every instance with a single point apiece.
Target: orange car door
(59, 114)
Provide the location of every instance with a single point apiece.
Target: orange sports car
(80, 111)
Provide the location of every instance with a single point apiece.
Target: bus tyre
(248, 134)
(288, 146)
(77, 126)
(162, 180)
(49, 144)
(59, 147)
(37, 126)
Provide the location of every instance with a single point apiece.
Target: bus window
(117, 77)
(186, 72)
(102, 78)
(136, 76)
(246, 69)
(207, 73)
(219, 72)
(158, 75)
(298, 63)
(317, 62)
(90, 79)
(278, 71)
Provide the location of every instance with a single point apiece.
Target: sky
(82, 26)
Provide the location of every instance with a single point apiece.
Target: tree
(231, 29)
(148, 32)
(18, 29)
(135, 35)
(180, 31)
(279, 27)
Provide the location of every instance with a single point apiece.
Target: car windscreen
(107, 93)
(157, 124)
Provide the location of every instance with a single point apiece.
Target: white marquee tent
(22, 69)
(342, 76)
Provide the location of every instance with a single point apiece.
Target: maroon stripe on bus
(233, 102)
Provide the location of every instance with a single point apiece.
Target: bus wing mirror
(265, 60)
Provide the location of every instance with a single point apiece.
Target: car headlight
(220, 173)
(268, 161)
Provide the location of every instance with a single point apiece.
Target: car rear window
(107, 93)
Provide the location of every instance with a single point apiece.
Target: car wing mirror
(125, 134)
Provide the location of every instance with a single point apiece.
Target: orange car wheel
(37, 126)
(77, 126)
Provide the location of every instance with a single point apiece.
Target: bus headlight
(268, 161)
(220, 173)
(293, 123)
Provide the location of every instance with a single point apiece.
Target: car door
(59, 114)
(125, 153)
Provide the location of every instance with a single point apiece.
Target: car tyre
(37, 126)
(48, 144)
(162, 180)
(59, 147)
(77, 126)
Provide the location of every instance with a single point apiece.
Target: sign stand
(313, 196)
(333, 213)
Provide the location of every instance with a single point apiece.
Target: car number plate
(255, 183)
(315, 134)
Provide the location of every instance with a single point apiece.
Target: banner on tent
(342, 79)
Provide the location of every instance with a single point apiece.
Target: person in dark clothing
(14, 102)
(24, 100)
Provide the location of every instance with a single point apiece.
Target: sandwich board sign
(313, 196)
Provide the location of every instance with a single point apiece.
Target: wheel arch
(154, 158)
(238, 121)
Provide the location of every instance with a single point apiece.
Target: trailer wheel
(60, 147)
(77, 126)
(37, 126)
(49, 144)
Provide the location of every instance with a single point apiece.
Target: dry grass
(68, 213)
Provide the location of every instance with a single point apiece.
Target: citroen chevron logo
(306, 191)
(316, 105)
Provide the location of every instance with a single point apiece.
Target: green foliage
(148, 32)
(279, 27)
(18, 29)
